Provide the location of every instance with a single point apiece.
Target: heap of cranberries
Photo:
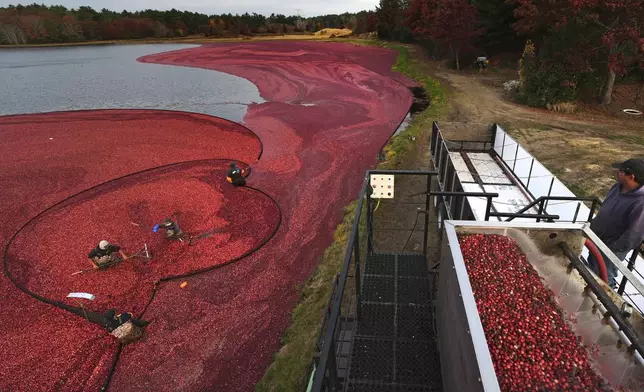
(532, 346)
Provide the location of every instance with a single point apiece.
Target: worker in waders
(237, 176)
(482, 63)
(124, 326)
(171, 229)
(106, 254)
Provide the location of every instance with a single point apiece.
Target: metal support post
(630, 266)
(574, 218)
(516, 154)
(503, 145)
(488, 208)
(592, 211)
(427, 198)
(369, 225)
(552, 182)
(333, 369)
(356, 255)
(541, 208)
(527, 186)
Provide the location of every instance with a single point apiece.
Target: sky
(304, 8)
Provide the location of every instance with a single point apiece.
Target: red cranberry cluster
(532, 347)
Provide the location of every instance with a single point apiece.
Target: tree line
(570, 48)
(37, 23)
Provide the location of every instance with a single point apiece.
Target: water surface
(34, 80)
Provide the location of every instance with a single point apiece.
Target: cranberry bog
(71, 179)
(516, 316)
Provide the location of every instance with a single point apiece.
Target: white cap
(103, 244)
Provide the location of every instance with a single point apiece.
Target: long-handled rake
(143, 252)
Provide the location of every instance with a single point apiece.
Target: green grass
(289, 370)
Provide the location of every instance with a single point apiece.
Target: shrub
(543, 83)
(511, 86)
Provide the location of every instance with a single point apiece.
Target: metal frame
(608, 308)
(325, 377)
(436, 146)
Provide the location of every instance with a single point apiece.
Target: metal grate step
(372, 359)
(394, 347)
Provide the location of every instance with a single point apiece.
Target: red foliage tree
(613, 30)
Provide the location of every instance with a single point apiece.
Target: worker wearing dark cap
(237, 176)
(620, 220)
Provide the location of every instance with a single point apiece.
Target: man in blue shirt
(620, 221)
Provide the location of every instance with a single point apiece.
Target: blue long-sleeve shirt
(620, 221)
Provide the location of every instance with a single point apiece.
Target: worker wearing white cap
(105, 254)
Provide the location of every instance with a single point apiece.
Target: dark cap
(632, 166)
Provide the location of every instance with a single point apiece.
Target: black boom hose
(98, 318)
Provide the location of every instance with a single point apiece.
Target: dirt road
(578, 148)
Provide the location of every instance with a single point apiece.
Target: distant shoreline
(185, 40)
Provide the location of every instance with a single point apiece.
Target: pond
(34, 80)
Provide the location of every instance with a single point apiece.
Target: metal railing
(327, 367)
(448, 179)
(542, 202)
(450, 202)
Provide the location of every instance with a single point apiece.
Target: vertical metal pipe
(460, 215)
(369, 223)
(453, 187)
(356, 255)
(427, 199)
(592, 210)
(630, 266)
(433, 142)
(440, 161)
(541, 209)
(333, 368)
(530, 175)
(552, 182)
(574, 218)
(447, 162)
(488, 208)
(516, 154)
(503, 145)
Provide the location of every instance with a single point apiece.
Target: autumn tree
(450, 22)
(610, 31)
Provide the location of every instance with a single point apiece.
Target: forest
(50, 24)
(568, 49)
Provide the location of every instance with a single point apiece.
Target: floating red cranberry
(532, 347)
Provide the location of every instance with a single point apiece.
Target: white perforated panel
(383, 186)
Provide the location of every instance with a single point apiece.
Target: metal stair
(394, 343)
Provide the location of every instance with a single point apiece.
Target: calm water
(99, 77)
